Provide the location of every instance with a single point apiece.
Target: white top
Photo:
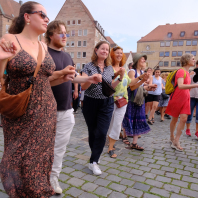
(193, 91)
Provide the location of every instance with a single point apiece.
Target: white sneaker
(55, 185)
(95, 168)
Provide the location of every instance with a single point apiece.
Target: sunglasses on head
(117, 47)
(41, 13)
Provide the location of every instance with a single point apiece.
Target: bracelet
(119, 79)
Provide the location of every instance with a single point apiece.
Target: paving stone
(122, 163)
(173, 175)
(194, 187)
(161, 192)
(158, 172)
(168, 169)
(55, 196)
(154, 166)
(189, 192)
(125, 175)
(189, 179)
(113, 171)
(136, 172)
(79, 167)
(102, 191)
(154, 183)
(163, 179)
(87, 170)
(87, 195)
(124, 168)
(117, 187)
(63, 177)
(68, 163)
(127, 182)
(69, 158)
(146, 195)
(148, 160)
(162, 163)
(180, 183)
(75, 182)
(177, 196)
(75, 192)
(149, 175)
(176, 166)
(90, 178)
(3, 195)
(89, 187)
(141, 186)
(133, 192)
(78, 174)
(138, 178)
(68, 170)
(114, 178)
(113, 165)
(181, 172)
(117, 195)
(144, 168)
(102, 182)
(172, 188)
(133, 165)
(142, 163)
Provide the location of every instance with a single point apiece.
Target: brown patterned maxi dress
(29, 140)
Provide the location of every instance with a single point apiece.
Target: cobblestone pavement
(158, 171)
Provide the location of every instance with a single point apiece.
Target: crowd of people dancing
(33, 147)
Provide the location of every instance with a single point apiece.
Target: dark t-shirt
(62, 92)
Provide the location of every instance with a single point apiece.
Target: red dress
(180, 102)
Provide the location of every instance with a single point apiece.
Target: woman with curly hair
(179, 103)
(118, 61)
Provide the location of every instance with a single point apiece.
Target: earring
(28, 23)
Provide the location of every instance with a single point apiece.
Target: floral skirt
(134, 121)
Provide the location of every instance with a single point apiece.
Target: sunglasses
(41, 13)
(62, 35)
(117, 47)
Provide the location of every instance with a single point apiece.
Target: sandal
(153, 120)
(176, 146)
(136, 147)
(126, 141)
(111, 153)
(150, 122)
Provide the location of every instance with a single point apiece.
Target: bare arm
(181, 85)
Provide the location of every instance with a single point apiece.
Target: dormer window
(169, 35)
(182, 34)
(196, 33)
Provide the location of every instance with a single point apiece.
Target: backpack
(170, 82)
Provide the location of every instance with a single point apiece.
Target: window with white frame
(83, 64)
(72, 43)
(84, 54)
(68, 22)
(85, 32)
(78, 66)
(79, 22)
(67, 44)
(79, 55)
(73, 22)
(79, 32)
(84, 43)
(72, 54)
(79, 43)
(73, 33)
(7, 28)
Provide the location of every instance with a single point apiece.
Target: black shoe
(167, 116)
(146, 116)
(157, 112)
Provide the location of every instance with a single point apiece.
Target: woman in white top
(154, 96)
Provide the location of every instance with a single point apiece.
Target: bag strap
(39, 61)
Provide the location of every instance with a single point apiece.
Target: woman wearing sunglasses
(29, 140)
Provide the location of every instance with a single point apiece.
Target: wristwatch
(119, 79)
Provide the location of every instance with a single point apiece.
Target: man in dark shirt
(56, 40)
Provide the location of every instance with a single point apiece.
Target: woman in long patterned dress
(29, 140)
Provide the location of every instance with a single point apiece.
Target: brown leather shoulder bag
(14, 106)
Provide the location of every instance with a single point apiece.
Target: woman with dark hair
(179, 103)
(154, 96)
(134, 122)
(29, 140)
(118, 60)
(98, 108)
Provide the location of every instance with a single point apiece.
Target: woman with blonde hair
(98, 108)
(179, 103)
(118, 61)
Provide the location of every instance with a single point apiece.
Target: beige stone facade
(84, 32)
(166, 44)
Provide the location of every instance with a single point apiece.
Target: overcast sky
(126, 21)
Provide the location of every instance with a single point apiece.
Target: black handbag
(107, 89)
(165, 96)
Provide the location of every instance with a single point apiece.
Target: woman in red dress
(179, 103)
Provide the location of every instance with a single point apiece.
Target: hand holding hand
(95, 78)
(69, 70)
(7, 49)
(68, 77)
(144, 77)
(152, 87)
